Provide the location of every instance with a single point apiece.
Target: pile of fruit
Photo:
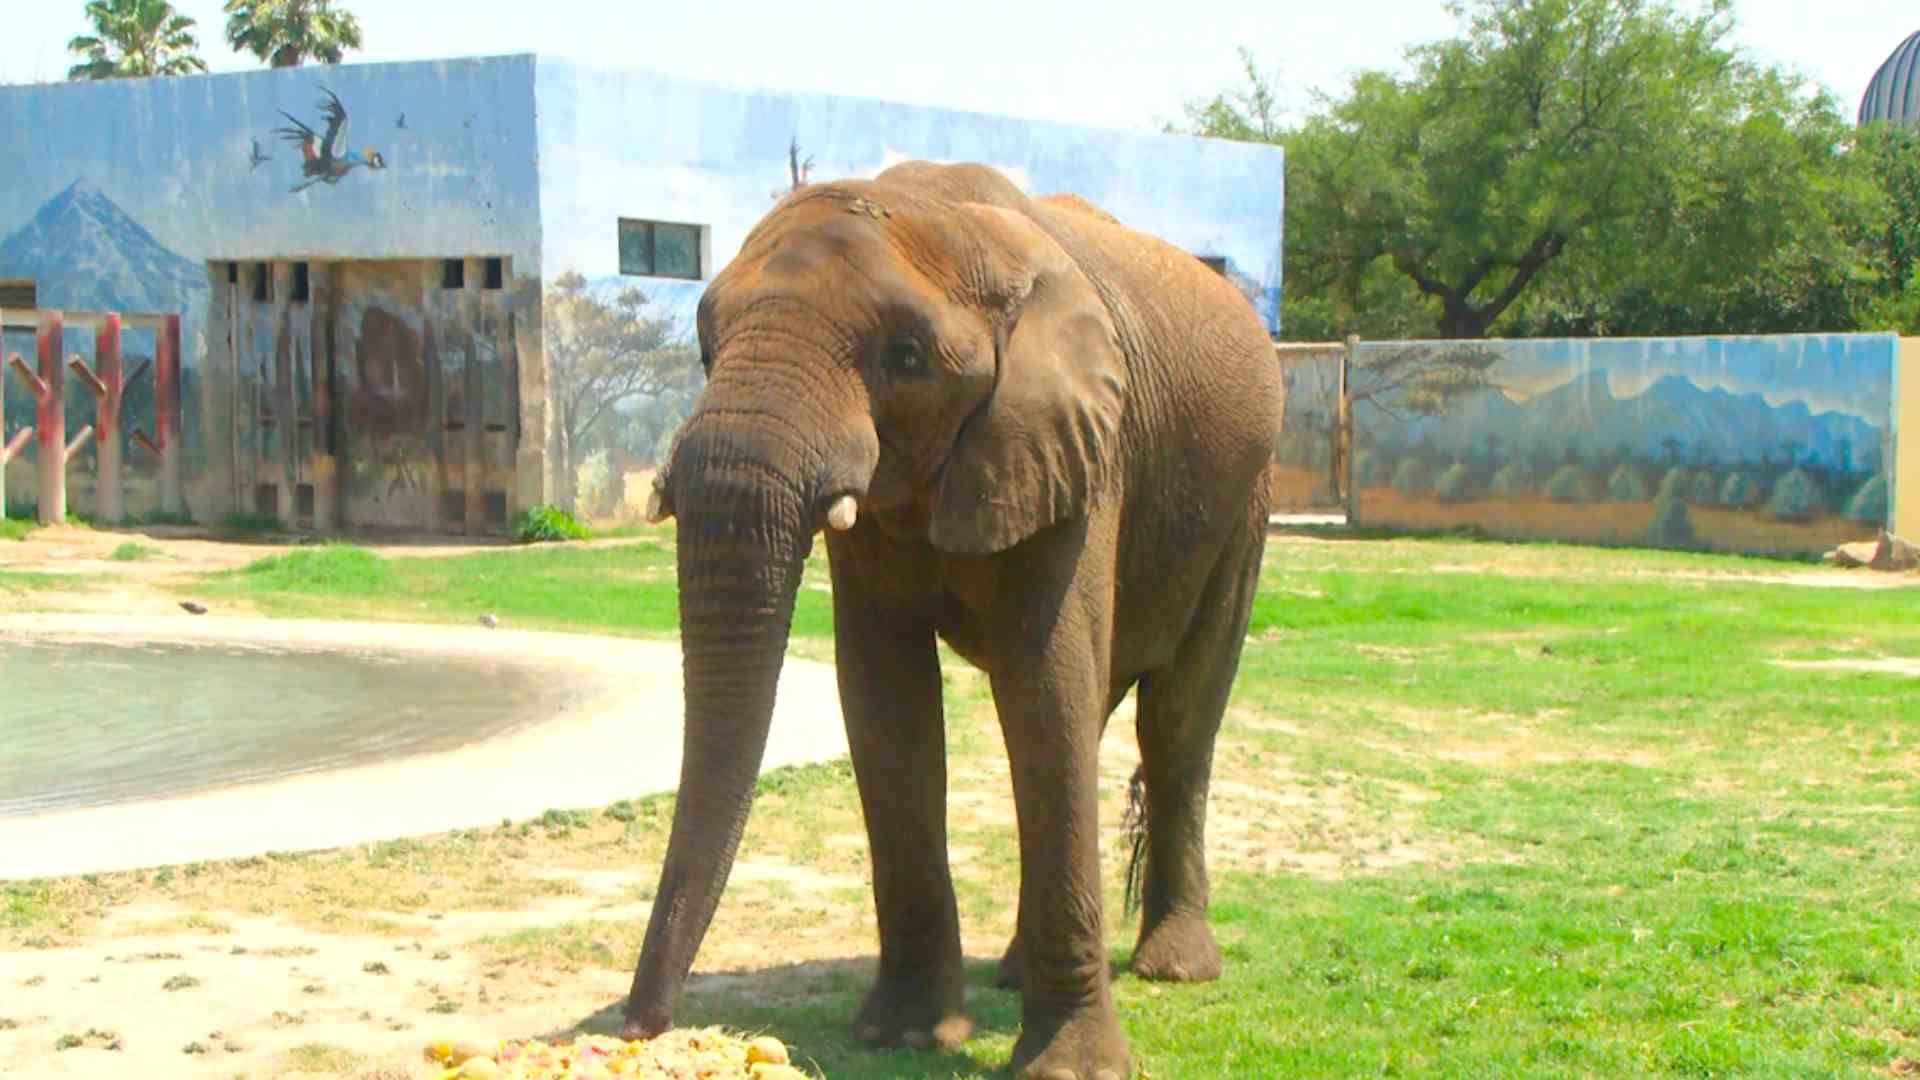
(682, 1054)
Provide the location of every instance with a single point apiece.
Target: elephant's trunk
(748, 502)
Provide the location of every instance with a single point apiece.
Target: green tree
(1453, 484)
(133, 38)
(1579, 166)
(287, 33)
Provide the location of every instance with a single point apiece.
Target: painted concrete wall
(622, 143)
(617, 144)
(135, 195)
(117, 194)
(1769, 445)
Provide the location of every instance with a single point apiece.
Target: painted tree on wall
(602, 353)
(287, 33)
(133, 38)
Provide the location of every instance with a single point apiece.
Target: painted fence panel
(1779, 445)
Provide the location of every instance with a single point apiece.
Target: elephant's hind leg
(1180, 708)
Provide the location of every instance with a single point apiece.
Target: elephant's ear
(1043, 447)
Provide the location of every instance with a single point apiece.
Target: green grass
(620, 589)
(133, 551)
(16, 528)
(1644, 848)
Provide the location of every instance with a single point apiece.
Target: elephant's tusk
(842, 514)
(657, 511)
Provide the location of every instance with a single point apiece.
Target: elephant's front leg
(1050, 692)
(889, 672)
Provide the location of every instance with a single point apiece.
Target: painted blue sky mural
(197, 163)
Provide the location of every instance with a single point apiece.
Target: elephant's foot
(1083, 1044)
(1177, 948)
(1009, 974)
(909, 1011)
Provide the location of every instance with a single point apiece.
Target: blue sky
(1129, 66)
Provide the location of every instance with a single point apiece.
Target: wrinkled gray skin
(1055, 431)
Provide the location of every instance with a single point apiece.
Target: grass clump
(324, 569)
(15, 528)
(545, 524)
(133, 551)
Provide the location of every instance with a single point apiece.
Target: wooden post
(18, 442)
(1343, 441)
(50, 419)
(166, 410)
(108, 388)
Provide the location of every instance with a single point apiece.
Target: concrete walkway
(620, 738)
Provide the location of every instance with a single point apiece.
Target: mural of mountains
(1583, 412)
(88, 254)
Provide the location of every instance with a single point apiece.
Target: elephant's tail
(1133, 826)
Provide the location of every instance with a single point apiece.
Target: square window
(453, 274)
(676, 251)
(496, 273)
(660, 249)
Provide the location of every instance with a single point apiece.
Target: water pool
(87, 723)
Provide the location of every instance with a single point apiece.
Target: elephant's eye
(903, 357)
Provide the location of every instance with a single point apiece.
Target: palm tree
(132, 38)
(285, 33)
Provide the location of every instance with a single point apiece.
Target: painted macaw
(326, 163)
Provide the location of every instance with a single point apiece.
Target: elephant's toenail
(1059, 1074)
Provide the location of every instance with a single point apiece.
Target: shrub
(1512, 480)
(1626, 485)
(1869, 503)
(1672, 525)
(1676, 484)
(1739, 490)
(1410, 478)
(1569, 484)
(1452, 485)
(546, 523)
(1796, 497)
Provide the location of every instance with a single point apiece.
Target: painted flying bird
(326, 163)
(255, 157)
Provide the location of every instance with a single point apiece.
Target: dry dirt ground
(347, 963)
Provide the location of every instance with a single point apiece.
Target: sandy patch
(1885, 665)
(621, 738)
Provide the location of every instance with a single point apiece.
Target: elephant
(1028, 431)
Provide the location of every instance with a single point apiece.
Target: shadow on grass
(810, 1007)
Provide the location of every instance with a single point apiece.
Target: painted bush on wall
(1772, 445)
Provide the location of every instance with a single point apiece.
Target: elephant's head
(913, 354)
